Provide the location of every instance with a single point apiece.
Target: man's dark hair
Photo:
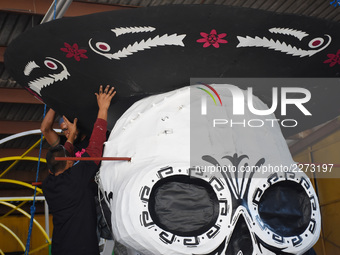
(52, 164)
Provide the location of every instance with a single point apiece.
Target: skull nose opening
(285, 208)
(240, 241)
(183, 205)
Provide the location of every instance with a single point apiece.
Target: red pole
(93, 158)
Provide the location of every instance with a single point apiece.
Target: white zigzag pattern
(288, 31)
(126, 30)
(271, 44)
(173, 39)
(43, 82)
(40, 83)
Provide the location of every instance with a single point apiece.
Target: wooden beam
(17, 95)
(40, 7)
(12, 190)
(316, 136)
(28, 176)
(2, 51)
(10, 152)
(14, 127)
(84, 8)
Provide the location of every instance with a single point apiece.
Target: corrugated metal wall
(313, 8)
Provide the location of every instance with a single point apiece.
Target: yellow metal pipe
(23, 155)
(39, 191)
(32, 147)
(13, 210)
(39, 248)
(1, 252)
(29, 216)
(17, 199)
(14, 235)
(21, 183)
(18, 158)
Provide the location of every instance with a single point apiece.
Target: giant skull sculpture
(192, 188)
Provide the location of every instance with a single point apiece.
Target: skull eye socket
(183, 205)
(50, 64)
(102, 46)
(316, 42)
(285, 208)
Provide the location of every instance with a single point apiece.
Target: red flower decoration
(74, 51)
(212, 39)
(333, 59)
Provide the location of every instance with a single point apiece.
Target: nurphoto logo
(243, 101)
(204, 98)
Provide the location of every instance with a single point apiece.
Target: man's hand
(104, 100)
(72, 129)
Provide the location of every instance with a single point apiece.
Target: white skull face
(192, 189)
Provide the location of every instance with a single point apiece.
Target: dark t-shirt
(70, 200)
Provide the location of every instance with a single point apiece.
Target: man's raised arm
(98, 136)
